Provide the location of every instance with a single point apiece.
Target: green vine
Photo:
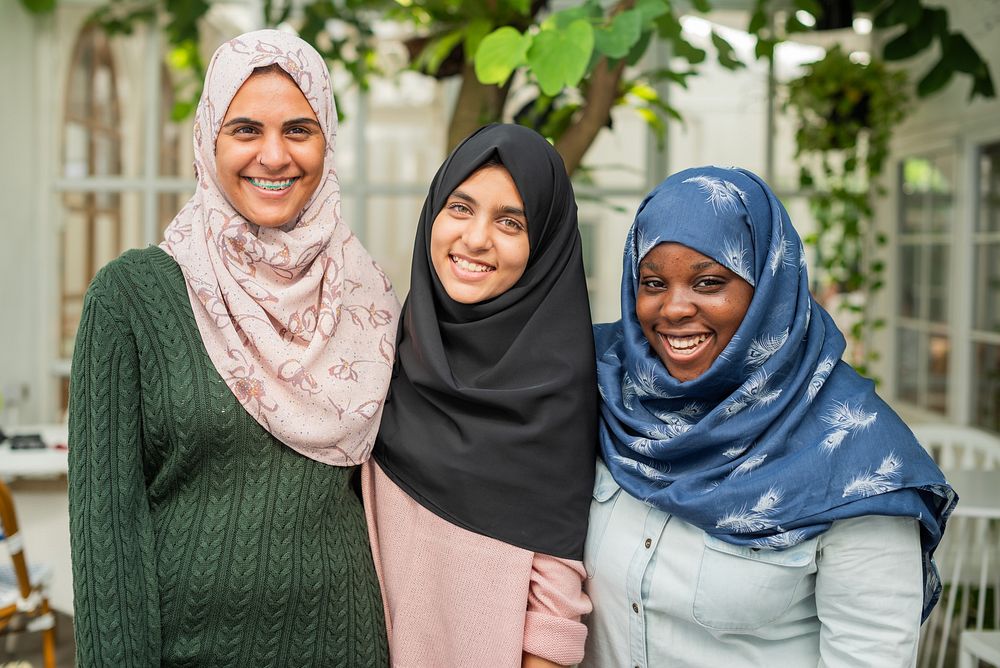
(845, 112)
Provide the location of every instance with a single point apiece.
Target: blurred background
(876, 122)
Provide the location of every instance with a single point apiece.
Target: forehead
(674, 255)
(270, 94)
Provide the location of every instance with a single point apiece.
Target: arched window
(91, 233)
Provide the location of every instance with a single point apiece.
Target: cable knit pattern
(198, 538)
(458, 599)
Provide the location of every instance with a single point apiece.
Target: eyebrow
(698, 266)
(243, 120)
(510, 210)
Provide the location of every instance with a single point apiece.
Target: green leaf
(727, 57)
(703, 6)
(679, 78)
(617, 40)
(651, 9)
(668, 27)
(911, 42)
(898, 11)
(39, 6)
(810, 6)
(474, 34)
(982, 85)
(961, 54)
(757, 21)
(522, 7)
(936, 79)
(560, 57)
(793, 25)
(435, 53)
(499, 54)
(562, 19)
(684, 49)
(639, 48)
(655, 123)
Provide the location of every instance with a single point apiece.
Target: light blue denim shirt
(666, 594)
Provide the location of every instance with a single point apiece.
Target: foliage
(918, 26)
(845, 113)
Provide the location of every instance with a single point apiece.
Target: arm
(116, 606)
(869, 592)
(553, 632)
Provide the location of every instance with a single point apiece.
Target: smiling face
(689, 306)
(479, 240)
(269, 153)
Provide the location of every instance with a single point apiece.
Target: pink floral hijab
(299, 320)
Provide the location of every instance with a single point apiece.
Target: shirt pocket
(742, 588)
(606, 492)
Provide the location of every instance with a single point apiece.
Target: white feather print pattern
(845, 416)
(643, 245)
(756, 390)
(692, 410)
(802, 255)
(749, 465)
(646, 471)
(628, 391)
(669, 431)
(884, 479)
(780, 250)
(756, 518)
(721, 194)
(819, 377)
(833, 440)
(630, 251)
(781, 541)
(644, 446)
(736, 451)
(737, 258)
(645, 382)
(763, 348)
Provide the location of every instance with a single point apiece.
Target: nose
(273, 152)
(476, 234)
(677, 305)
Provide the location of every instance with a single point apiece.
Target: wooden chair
(24, 606)
(969, 556)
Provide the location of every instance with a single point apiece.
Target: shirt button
(635, 607)
(649, 541)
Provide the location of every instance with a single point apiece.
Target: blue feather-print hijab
(779, 437)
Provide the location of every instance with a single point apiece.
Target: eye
(245, 130)
(300, 131)
(651, 283)
(459, 208)
(710, 283)
(512, 224)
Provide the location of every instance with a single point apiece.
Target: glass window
(985, 370)
(924, 252)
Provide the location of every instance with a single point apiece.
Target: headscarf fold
(492, 417)
(298, 320)
(779, 437)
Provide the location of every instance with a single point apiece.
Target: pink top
(455, 598)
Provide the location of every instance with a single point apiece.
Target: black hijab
(491, 419)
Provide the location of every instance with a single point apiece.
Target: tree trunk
(477, 105)
(602, 91)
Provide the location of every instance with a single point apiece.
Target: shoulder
(117, 283)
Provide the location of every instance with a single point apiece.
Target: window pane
(987, 285)
(939, 350)
(909, 306)
(986, 386)
(907, 380)
(938, 282)
(989, 189)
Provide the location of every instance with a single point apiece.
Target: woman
(225, 385)
(757, 503)
(478, 492)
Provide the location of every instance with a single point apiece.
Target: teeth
(268, 184)
(470, 266)
(686, 342)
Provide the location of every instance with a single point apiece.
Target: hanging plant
(845, 113)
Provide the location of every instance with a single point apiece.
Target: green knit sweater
(198, 539)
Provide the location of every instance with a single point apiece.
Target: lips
(271, 185)
(471, 266)
(684, 345)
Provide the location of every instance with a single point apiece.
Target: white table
(37, 480)
(976, 646)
